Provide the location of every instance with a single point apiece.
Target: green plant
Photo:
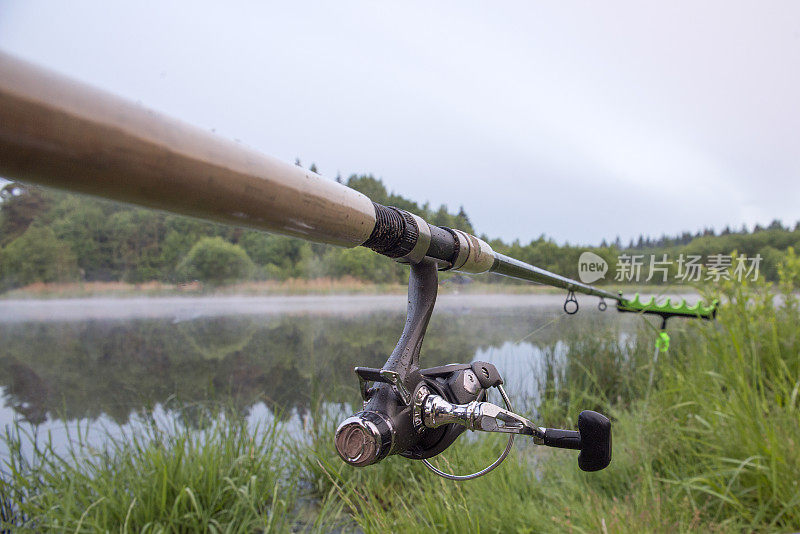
(214, 260)
(223, 477)
(36, 255)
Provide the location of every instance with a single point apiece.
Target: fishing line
(539, 329)
(510, 442)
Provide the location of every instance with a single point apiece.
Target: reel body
(418, 413)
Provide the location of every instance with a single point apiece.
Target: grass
(222, 478)
(712, 445)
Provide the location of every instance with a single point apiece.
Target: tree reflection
(87, 369)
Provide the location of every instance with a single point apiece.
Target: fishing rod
(61, 133)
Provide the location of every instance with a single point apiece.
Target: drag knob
(364, 438)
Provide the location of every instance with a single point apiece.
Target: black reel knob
(595, 431)
(593, 439)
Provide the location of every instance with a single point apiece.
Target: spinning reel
(418, 413)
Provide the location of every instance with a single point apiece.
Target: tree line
(52, 236)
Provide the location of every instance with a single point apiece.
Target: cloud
(580, 121)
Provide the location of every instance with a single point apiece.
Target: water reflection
(284, 366)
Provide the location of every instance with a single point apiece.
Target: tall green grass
(732, 398)
(712, 444)
(225, 477)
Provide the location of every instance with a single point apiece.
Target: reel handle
(562, 439)
(593, 439)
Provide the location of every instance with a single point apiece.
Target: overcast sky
(577, 120)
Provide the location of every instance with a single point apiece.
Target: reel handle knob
(595, 431)
(593, 439)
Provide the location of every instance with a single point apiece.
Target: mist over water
(109, 376)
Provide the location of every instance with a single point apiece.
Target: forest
(52, 236)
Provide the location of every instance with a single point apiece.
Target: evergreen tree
(20, 205)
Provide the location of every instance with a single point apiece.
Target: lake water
(101, 363)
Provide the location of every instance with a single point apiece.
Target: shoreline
(295, 287)
(185, 308)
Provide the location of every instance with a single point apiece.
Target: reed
(162, 477)
(712, 445)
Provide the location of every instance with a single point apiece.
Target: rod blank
(60, 133)
(522, 271)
